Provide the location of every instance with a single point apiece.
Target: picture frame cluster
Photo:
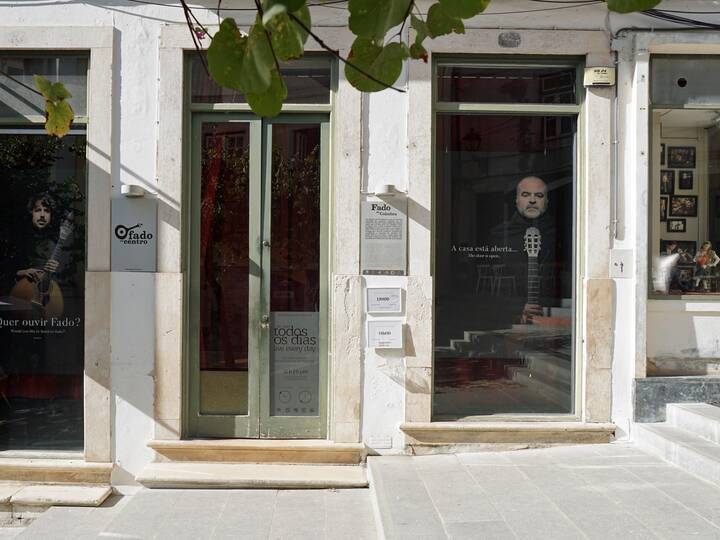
(678, 177)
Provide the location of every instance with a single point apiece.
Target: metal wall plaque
(385, 334)
(383, 247)
(133, 235)
(384, 300)
(599, 76)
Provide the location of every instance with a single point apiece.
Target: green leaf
(288, 37)
(628, 6)
(440, 23)
(269, 103)
(59, 117)
(373, 18)
(382, 63)
(464, 9)
(259, 62)
(226, 54)
(59, 113)
(418, 52)
(243, 63)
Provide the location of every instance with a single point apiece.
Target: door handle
(265, 322)
(266, 243)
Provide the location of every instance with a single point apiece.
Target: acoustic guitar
(533, 244)
(45, 295)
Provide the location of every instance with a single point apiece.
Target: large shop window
(42, 259)
(685, 177)
(504, 223)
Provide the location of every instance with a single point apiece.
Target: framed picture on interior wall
(687, 249)
(663, 209)
(681, 157)
(676, 225)
(685, 180)
(667, 182)
(662, 154)
(683, 206)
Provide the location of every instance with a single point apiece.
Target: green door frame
(258, 422)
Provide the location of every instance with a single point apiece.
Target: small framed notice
(386, 300)
(383, 240)
(385, 334)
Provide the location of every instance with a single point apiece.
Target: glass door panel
(225, 272)
(294, 196)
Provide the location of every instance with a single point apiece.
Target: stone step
(680, 447)
(551, 367)
(21, 503)
(555, 391)
(199, 475)
(50, 470)
(311, 451)
(652, 394)
(428, 437)
(701, 419)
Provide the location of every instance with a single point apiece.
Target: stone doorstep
(260, 451)
(46, 495)
(197, 475)
(514, 433)
(700, 419)
(53, 471)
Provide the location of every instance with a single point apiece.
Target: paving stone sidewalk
(583, 492)
(612, 491)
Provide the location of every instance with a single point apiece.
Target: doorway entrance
(257, 276)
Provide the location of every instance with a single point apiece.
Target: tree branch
(337, 55)
(198, 47)
(411, 3)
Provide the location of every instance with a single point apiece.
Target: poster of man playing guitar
(37, 284)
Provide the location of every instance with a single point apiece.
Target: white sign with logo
(295, 363)
(133, 235)
(383, 248)
(385, 334)
(385, 300)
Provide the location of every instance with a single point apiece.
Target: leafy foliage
(58, 112)
(249, 62)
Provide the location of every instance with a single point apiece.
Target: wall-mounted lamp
(132, 190)
(385, 190)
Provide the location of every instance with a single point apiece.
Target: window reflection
(504, 266)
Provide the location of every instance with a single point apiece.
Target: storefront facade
(502, 292)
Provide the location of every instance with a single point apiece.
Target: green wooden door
(257, 277)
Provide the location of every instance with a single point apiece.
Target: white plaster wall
(132, 372)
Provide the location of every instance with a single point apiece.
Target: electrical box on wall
(599, 76)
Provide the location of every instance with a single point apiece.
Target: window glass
(685, 202)
(479, 84)
(505, 188)
(17, 101)
(42, 276)
(307, 81)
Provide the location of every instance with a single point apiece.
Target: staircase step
(424, 436)
(46, 495)
(198, 475)
(556, 391)
(680, 447)
(70, 471)
(549, 366)
(701, 419)
(261, 451)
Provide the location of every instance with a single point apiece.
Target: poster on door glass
(42, 254)
(504, 265)
(295, 363)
